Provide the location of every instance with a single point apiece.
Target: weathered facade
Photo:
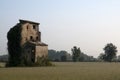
(31, 44)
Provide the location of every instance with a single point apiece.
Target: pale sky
(88, 24)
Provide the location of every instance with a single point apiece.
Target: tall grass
(64, 71)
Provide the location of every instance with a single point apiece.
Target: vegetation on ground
(64, 71)
(64, 56)
(75, 53)
(14, 46)
(109, 54)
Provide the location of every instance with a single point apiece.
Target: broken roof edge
(27, 21)
(37, 43)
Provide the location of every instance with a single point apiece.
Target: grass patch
(64, 71)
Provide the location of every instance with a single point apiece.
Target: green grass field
(64, 71)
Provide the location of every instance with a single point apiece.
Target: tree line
(109, 55)
(64, 56)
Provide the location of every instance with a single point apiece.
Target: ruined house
(29, 41)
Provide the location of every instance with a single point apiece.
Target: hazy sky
(88, 24)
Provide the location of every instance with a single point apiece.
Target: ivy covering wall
(14, 47)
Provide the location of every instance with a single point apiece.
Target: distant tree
(62, 55)
(101, 56)
(57, 60)
(110, 52)
(118, 58)
(52, 54)
(81, 58)
(64, 58)
(75, 53)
